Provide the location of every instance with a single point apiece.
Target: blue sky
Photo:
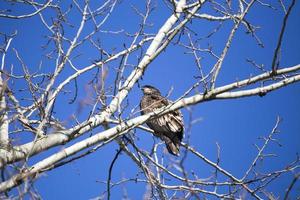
(235, 124)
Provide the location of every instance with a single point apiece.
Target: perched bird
(168, 127)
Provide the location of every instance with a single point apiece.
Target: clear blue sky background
(234, 124)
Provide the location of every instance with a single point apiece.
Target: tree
(70, 78)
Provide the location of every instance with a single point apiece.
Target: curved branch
(28, 15)
(112, 133)
(63, 136)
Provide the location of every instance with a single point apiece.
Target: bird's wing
(169, 127)
(172, 122)
(176, 117)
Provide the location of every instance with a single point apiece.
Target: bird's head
(148, 89)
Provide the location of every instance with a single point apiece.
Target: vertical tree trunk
(3, 116)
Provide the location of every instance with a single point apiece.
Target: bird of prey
(168, 127)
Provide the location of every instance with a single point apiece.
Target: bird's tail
(173, 147)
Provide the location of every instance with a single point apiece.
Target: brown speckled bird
(168, 127)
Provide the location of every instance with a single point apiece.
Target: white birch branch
(4, 141)
(63, 136)
(27, 15)
(124, 127)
